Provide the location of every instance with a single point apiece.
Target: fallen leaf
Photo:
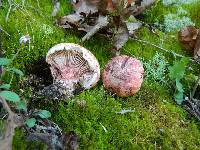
(197, 47)
(109, 16)
(187, 37)
(120, 39)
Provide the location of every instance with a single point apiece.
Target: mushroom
(123, 76)
(73, 67)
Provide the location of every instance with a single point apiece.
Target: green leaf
(177, 71)
(10, 96)
(4, 61)
(21, 105)
(179, 97)
(5, 86)
(17, 71)
(30, 122)
(179, 86)
(44, 114)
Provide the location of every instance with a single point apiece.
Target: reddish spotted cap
(123, 76)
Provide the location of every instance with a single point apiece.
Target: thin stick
(56, 7)
(1, 53)
(8, 13)
(101, 23)
(4, 31)
(1, 43)
(195, 87)
(166, 50)
(38, 3)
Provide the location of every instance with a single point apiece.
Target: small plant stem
(11, 79)
(195, 87)
(1, 69)
(38, 3)
(4, 31)
(10, 7)
(16, 54)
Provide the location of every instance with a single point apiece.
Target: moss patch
(157, 123)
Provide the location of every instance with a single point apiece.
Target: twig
(195, 87)
(56, 5)
(1, 3)
(4, 31)
(166, 50)
(1, 54)
(8, 13)
(192, 107)
(38, 3)
(101, 23)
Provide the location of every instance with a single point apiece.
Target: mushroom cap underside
(72, 64)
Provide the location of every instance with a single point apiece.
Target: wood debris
(109, 16)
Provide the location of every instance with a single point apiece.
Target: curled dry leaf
(107, 16)
(197, 47)
(189, 37)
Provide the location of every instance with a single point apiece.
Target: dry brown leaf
(132, 27)
(111, 15)
(120, 38)
(86, 6)
(101, 23)
(197, 47)
(187, 37)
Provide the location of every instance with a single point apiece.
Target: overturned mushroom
(73, 68)
(123, 76)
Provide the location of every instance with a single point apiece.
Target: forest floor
(157, 122)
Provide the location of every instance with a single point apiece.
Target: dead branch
(6, 142)
(101, 23)
(192, 106)
(195, 87)
(56, 5)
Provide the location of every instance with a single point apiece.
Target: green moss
(194, 13)
(21, 143)
(157, 123)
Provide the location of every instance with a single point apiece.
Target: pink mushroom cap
(123, 76)
(73, 65)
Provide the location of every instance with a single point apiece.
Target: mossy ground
(157, 123)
